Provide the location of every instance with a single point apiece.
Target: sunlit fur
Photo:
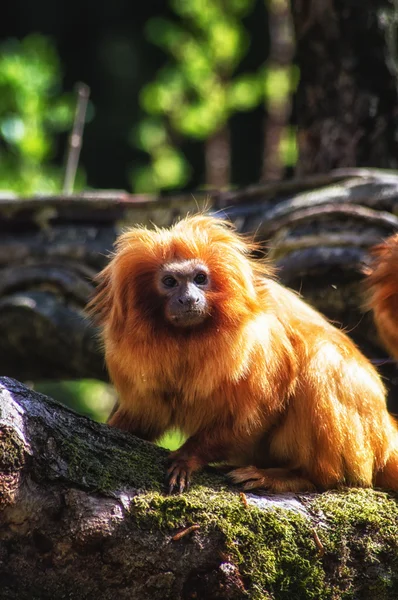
(265, 384)
(382, 282)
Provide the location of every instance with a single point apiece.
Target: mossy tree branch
(83, 515)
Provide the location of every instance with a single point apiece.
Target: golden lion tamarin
(382, 282)
(199, 337)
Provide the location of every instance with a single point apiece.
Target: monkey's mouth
(187, 318)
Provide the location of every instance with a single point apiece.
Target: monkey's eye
(169, 281)
(200, 278)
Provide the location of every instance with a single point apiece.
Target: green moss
(361, 540)
(136, 466)
(275, 549)
(12, 451)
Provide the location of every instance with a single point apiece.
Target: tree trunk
(278, 105)
(347, 100)
(83, 516)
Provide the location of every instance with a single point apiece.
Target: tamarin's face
(197, 275)
(183, 285)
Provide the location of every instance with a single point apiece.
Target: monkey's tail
(382, 284)
(387, 478)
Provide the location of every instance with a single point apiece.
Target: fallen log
(83, 515)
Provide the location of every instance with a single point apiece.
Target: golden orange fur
(382, 282)
(265, 384)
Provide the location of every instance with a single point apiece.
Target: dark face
(183, 284)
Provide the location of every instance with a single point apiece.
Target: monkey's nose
(188, 300)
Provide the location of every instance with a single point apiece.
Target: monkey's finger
(185, 480)
(176, 474)
(172, 486)
(182, 482)
(173, 467)
(172, 479)
(168, 484)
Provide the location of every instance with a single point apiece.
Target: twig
(243, 498)
(185, 532)
(318, 543)
(382, 361)
(76, 138)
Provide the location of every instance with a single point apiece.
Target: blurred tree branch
(317, 229)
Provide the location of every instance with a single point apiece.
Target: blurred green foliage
(197, 91)
(89, 397)
(33, 110)
(192, 96)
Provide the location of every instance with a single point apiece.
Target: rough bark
(83, 516)
(346, 103)
(317, 230)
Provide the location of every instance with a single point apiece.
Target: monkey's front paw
(179, 475)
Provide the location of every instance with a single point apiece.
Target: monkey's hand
(199, 450)
(180, 470)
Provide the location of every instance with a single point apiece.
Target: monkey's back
(336, 421)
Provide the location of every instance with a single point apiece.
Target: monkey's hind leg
(272, 480)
